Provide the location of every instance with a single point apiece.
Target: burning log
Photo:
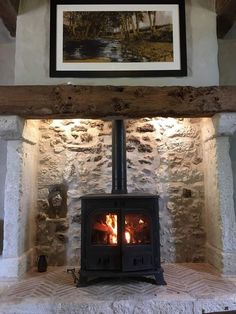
(99, 226)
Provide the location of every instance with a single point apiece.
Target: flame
(141, 221)
(127, 236)
(111, 221)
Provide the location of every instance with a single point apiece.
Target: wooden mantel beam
(226, 16)
(94, 102)
(8, 13)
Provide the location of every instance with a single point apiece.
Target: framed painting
(117, 39)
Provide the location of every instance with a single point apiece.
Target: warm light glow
(111, 222)
(165, 122)
(59, 123)
(127, 236)
(141, 221)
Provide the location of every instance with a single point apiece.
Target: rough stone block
(220, 304)
(11, 127)
(224, 123)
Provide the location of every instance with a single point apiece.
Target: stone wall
(163, 155)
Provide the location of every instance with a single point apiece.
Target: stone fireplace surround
(20, 143)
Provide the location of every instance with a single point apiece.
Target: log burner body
(120, 236)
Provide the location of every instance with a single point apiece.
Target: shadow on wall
(26, 6)
(232, 153)
(206, 4)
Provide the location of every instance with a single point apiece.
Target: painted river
(99, 50)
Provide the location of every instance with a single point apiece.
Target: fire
(111, 222)
(127, 236)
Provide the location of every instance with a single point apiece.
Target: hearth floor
(191, 289)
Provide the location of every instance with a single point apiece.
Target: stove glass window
(104, 229)
(137, 229)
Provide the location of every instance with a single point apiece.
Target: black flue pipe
(119, 174)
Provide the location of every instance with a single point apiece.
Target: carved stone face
(56, 200)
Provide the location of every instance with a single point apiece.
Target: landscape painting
(137, 36)
(118, 40)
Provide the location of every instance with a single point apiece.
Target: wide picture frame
(118, 39)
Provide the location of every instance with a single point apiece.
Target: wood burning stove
(120, 231)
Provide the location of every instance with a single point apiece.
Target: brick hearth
(191, 289)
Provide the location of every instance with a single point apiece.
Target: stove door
(137, 251)
(103, 243)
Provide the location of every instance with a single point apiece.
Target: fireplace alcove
(120, 232)
(21, 196)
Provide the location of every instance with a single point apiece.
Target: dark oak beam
(226, 16)
(8, 13)
(94, 102)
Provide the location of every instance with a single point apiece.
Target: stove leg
(160, 281)
(83, 281)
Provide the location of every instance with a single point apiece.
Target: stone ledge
(167, 305)
(152, 306)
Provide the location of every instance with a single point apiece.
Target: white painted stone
(158, 305)
(7, 56)
(3, 157)
(219, 192)
(11, 268)
(226, 192)
(227, 61)
(32, 49)
(218, 304)
(166, 304)
(12, 200)
(19, 196)
(11, 127)
(224, 124)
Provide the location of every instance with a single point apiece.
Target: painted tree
(139, 16)
(152, 20)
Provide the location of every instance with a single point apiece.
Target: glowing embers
(137, 229)
(104, 229)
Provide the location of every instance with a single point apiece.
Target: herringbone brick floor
(190, 280)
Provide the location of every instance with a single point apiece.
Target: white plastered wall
(20, 195)
(33, 38)
(219, 192)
